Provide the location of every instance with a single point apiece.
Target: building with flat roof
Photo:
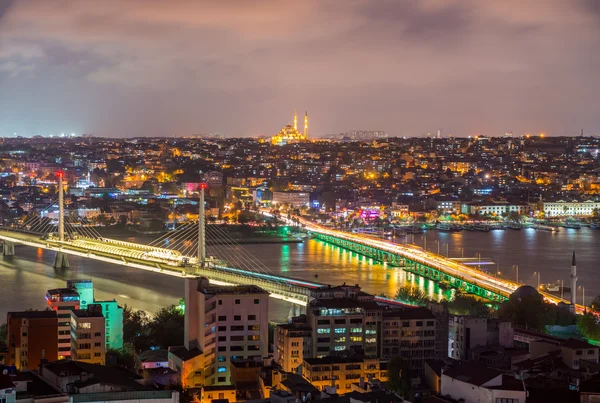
(88, 335)
(32, 336)
(63, 301)
(111, 311)
(222, 324)
(341, 372)
(293, 342)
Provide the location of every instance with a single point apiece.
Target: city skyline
(237, 68)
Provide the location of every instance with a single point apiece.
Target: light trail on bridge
(441, 263)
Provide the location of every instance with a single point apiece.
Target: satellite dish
(5, 372)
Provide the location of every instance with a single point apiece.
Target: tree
(467, 305)
(147, 185)
(588, 326)
(412, 296)
(399, 375)
(528, 311)
(167, 327)
(187, 395)
(595, 305)
(4, 333)
(122, 357)
(134, 328)
(514, 216)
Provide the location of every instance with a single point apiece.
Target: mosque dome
(525, 291)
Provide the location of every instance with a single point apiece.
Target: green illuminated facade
(112, 312)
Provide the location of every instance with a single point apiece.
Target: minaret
(305, 125)
(573, 280)
(295, 120)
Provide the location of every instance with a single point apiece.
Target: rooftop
(472, 373)
(344, 303)
(86, 313)
(183, 353)
(6, 382)
(33, 314)
(95, 374)
(333, 359)
(409, 313)
(63, 291)
(122, 396)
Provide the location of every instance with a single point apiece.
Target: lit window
(323, 331)
(340, 330)
(222, 369)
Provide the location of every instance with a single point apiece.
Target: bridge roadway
(164, 261)
(440, 263)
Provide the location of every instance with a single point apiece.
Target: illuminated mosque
(290, 134)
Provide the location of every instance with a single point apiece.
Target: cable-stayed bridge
(182, 253)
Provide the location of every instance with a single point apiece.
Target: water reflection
(25, 278)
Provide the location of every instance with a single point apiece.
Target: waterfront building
(570, 208)
(222, 324)
(450, 206)
(497, 208)
(341, 372)
(63, 301)
(31, 336)
(293, 199)
(88, 335)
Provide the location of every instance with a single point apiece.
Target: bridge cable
(258, 265)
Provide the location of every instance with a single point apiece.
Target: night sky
(240, 67)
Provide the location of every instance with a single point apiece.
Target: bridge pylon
(61, 261)
(8, 249)
(61, 207)
(201, 228)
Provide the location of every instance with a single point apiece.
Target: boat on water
(548, 228)
(514, 226)
(572, 225)
(481, 227)
(413, 229)
(447, 227)
(477, 227)
(595, 225)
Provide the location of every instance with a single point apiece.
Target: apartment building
(63, 301)
(32, 336)
(341, 372)
(343, 318)
(293, 342)
(112, 312)
(467, 332)
(410, 333)
(222, 324)
(88, 335)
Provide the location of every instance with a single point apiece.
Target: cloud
(262, 55)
